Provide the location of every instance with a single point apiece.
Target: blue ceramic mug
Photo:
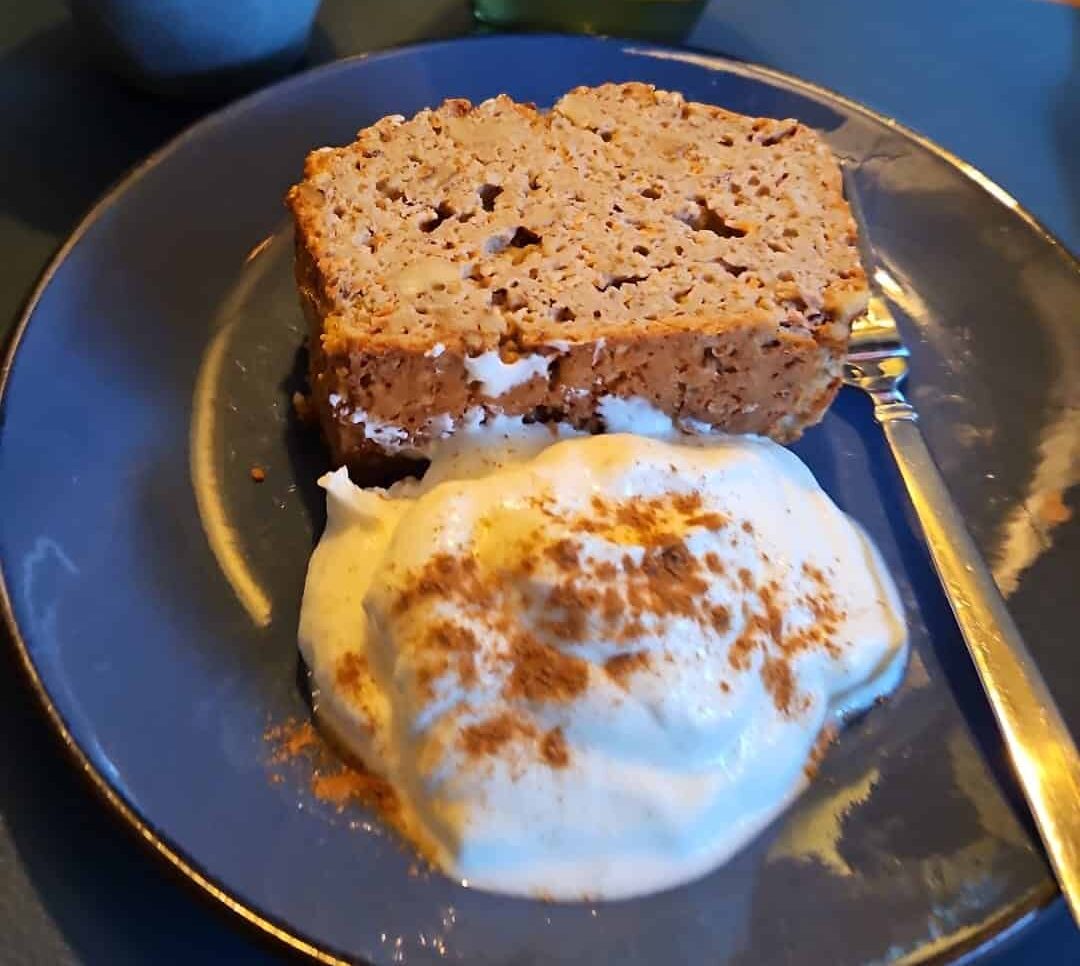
(196, 48)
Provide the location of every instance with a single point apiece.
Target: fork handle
(1042, 750)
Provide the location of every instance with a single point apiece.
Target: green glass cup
(665, 20)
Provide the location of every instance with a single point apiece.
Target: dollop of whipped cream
(595, 667)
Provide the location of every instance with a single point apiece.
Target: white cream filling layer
(620, 415)
(497, 377)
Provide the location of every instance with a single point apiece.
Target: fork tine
(851, 192)
(876, 357)
(876, 330)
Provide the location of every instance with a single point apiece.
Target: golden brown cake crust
(628, 244)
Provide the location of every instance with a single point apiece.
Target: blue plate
(153, 589)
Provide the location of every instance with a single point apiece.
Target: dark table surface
(995, 81)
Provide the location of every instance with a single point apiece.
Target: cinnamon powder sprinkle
(741, 649)
(447, 576)
(780, 683)
(720, 618)
(448, 636)
(350, 671)
(772, 613)
(544, 673)
(643, 519)
(564, 554)
(291, 740)
(612, 605)
(489, 736)
(352, 784)
(686, 504)
(649, 521)
(605, 570)
(446, 645)
(668, 581)
(331, 780)
(574, 604)
(817, 753)
(553, 749)
(466, 669)
(708, 521)
(655, 580)
(619, 667)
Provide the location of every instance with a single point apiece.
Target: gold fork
(1040, 746)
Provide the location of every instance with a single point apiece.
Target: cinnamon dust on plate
(329, 778)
